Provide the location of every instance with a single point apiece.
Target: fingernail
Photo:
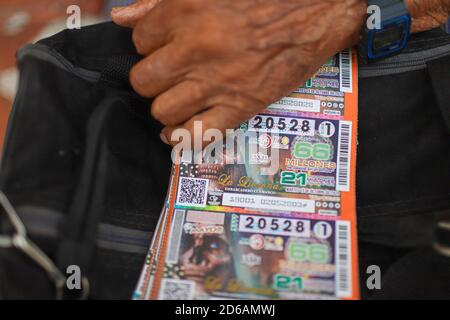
(117, 9)
(163, 138)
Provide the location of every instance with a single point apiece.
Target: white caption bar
(267, 202)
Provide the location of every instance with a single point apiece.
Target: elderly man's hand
(223, 61)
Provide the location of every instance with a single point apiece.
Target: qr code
(177, 290)
(192, 192)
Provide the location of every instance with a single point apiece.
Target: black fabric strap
(79, 231)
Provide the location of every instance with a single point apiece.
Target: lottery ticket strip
(229, 232)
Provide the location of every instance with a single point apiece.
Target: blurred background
(26, 21)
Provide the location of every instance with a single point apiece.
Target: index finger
(159, 26)
(128, 16)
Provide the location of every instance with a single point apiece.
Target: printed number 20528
(274, 225)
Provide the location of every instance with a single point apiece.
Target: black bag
(83, 166)
(403, 158)
(85, 170)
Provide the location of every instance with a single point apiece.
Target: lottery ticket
(256, 229)
(312, 169)
(231, 255)
(145, 279)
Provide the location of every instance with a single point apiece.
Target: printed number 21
(283, 282)
(290, 178)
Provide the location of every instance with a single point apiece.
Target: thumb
(127, 16)
(220, 118)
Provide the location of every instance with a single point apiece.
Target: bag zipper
(45, 222)
(44, 53)
(404, 62)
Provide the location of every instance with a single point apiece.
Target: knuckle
(165, 110)
(193, 4)
(158, 112)
(136, 81)
(137, 40)
(196, 90)
(171, 121)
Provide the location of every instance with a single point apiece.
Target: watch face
(392, 38)
(389, 36)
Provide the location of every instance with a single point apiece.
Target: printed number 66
(306, 150)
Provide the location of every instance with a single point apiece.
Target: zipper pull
(20, 241)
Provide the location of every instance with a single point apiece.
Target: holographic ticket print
(231, 232)
(313, 168)
(229, 255)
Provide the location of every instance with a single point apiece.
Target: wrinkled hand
(223, 61)
(427, 14)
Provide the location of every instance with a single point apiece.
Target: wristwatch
(387, 29)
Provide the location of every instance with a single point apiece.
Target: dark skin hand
(223, 61)
(428, 14)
